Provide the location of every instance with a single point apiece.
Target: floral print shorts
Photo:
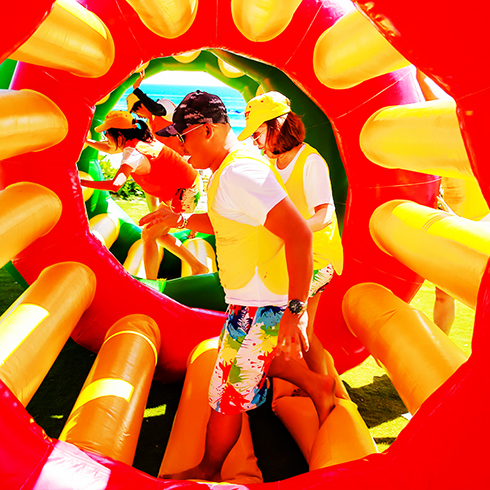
(321, 278)
(246, 350)
(186, 200)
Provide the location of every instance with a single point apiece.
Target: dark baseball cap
(196, 108)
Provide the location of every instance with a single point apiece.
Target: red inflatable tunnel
(433, 451)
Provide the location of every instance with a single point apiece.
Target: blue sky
(185, 78)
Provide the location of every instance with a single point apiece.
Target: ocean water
(232, 99)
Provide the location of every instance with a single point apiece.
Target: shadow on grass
(377, 402)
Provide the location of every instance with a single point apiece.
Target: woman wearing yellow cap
(279, 133)
(164, 175)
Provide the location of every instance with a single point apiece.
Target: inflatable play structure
(349, 61)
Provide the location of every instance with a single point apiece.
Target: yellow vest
(327, 246)
(243, 249)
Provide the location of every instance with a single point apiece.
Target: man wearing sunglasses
(264, 250)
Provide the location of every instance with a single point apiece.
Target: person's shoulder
(243, 156)
(313, 154)
(315, 161)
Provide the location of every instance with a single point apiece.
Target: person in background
(265, 263)
(164, 175)
(158, 113)
(279, 133)
(451, 196)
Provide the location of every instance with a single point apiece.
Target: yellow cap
(117, 119)
(263, 108)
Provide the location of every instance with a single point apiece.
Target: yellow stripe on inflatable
(71, 38)
(36, 327)
(143, 336)
(16, 326)
(353, 51)
(423, 137)
(166, 18)
(449, 251)
(29, 121)
(417, 355)
(104, 387)
(260, 20)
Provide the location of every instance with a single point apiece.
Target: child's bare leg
(151, 257)
(320, 387)
(177, 248)
(315, 357)
(222, 433)
(444, 310)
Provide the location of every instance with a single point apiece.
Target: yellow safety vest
(327, 245)
(242, 249)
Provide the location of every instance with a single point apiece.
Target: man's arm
(195, 222)
(322, 218)
(285, 221)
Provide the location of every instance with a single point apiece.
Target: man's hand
(292, 335)
(162, 215)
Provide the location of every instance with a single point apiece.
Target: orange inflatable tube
(417, 355)
(36, 327)
(108, 413)
(447, 250)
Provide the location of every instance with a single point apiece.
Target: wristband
(184, 222)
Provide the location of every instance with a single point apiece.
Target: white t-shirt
(316, 181)
(247, 191)
(132, 157)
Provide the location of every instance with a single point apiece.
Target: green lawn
(368, 385)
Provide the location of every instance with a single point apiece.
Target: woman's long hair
(284, 133)
(142, 133)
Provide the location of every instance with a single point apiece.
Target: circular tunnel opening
(247, 77)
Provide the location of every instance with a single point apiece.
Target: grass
(368, 385)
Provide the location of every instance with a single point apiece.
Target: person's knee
(150, 234)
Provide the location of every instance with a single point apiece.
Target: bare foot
(196, 473)
(323, 396)
(199, 269)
